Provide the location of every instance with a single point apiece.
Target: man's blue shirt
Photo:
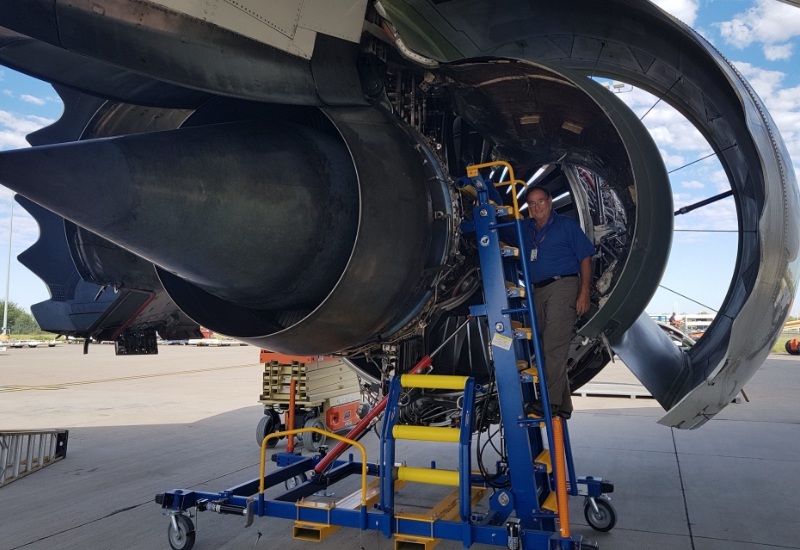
(561, 246)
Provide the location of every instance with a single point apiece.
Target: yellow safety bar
(472, 171)
(433, 381)
(426, 433)
(429, 476)
(326, 434)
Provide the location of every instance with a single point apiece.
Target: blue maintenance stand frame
(531, 514)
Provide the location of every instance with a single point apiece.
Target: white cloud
(9, 93)
(717, 216)
(685, 10)
(670, 129)
(32, 99)
(720, 180)
(778, 52)
(782, 103)
(672, 161)
(768, 23)
(692, 184)
(14, 128)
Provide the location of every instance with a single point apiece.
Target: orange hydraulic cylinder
(290, 416)
(561, 477)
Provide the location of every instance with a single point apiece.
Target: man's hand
(583, 303)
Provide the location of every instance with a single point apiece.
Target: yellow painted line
(61, 386)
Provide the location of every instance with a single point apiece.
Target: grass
(780, 345)
(42, 336)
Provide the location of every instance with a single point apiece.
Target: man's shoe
(534, 408)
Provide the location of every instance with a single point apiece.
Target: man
(559, 257)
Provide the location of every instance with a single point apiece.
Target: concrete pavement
(186, 419)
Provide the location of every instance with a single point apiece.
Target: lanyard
(544, 229)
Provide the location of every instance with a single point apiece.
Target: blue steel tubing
(537, 345)
(388, 449)
(573, 480)
(465, 452)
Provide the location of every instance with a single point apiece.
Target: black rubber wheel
(311, 440)
(295, 481)
(268, 424)
(604, 519)
(183, 538)
(789, 349)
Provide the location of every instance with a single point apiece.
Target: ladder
(538, 477)
(25, 451)
(392, 431)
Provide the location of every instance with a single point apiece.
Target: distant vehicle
(697, 323)
(677, 336)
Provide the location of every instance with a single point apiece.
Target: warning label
(502, 342)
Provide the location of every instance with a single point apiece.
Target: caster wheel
(183, 538)
(295, 481)
(604, 518)
(268, 424)
(311, 440)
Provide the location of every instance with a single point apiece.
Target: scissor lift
(532, 513)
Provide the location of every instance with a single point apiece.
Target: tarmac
(186, 419)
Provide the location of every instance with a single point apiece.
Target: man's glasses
(540, 202)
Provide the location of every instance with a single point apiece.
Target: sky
(761, 37)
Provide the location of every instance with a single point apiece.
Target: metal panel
(340, 18)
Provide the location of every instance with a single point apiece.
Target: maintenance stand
(531, 514)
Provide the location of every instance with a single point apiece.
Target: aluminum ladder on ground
(24, 451)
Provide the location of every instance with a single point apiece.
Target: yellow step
(520, 332)
(313, 532)
(433, 381)
(446, 510)
(317, 532)
(533, 371)
(551, 503)
(410, 542)
(544, 458)
(514, 291)
(509, 251)
(426, 433)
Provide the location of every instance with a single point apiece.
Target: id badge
(534, 254)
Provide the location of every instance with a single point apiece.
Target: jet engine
(290, 180)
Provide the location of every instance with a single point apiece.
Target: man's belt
(545, 282)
